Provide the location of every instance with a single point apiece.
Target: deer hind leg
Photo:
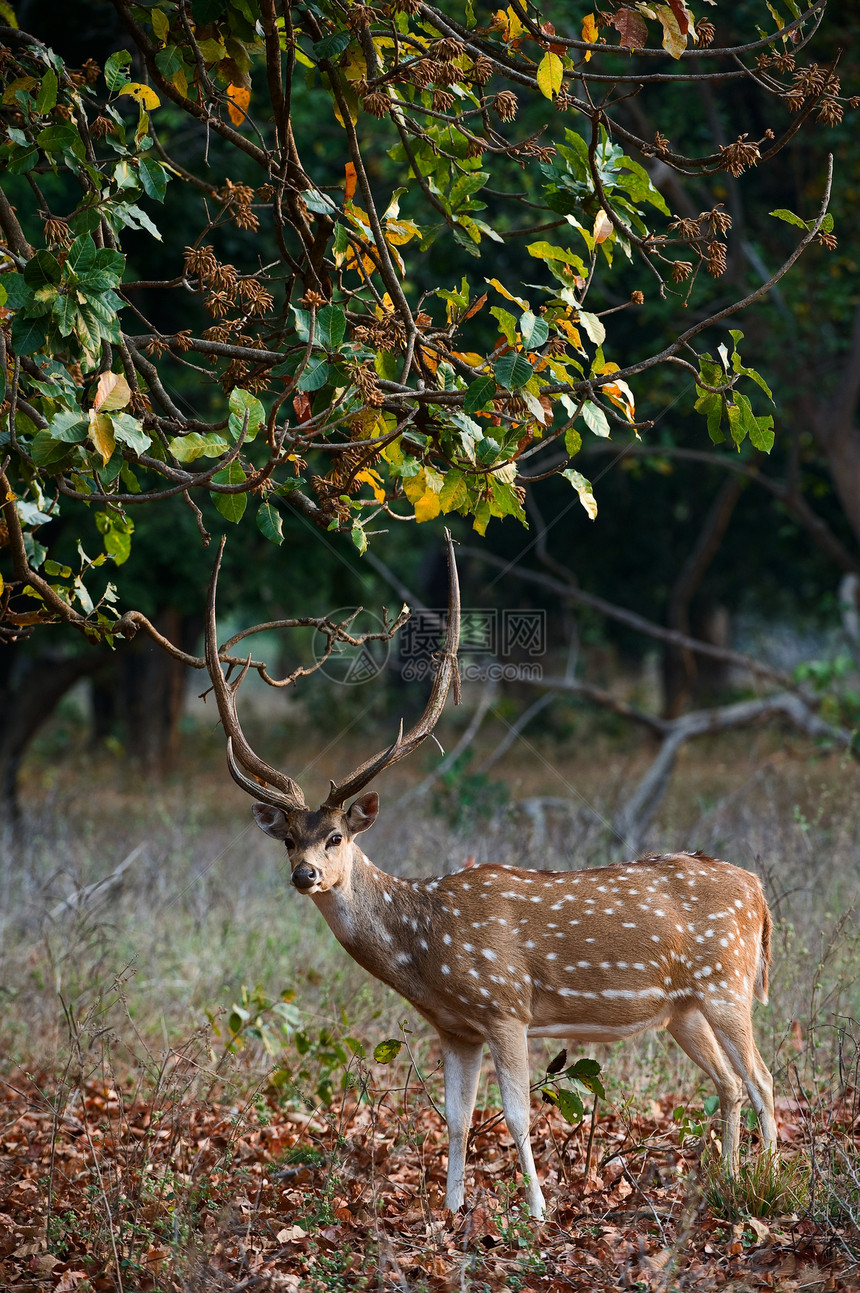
(744, 1056)
(697, 1039)
(462, 1064)
(511, 1058)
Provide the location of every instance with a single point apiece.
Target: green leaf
(595, 419)
(465, 186)
(135, 218)
(330, 329)
(46, 99)
(593, 327)
(56, 570)
(169, 61)
(762, 436)
(712, 1104)
(512, 372)
(70, 426)
(116, 532)
(331, 46)
(359, 538)
(487, 451)
(587, 1071)
(81, 256)
(153, 177)
(60, 139)
(269, 523)
(129, 431)
(231, 506)
(534, 331)
(385, 1052)
(480, 394)
(569, 1105)
(42, 270)
(572, 442)
(240, 403)
(507, 323)
(316, 373)
(187, 448)
(789, 217)
(48, 452)
(28, 335)
(23, 160)
(65, 312)
(115, 65)
(454, 493)
(16, 290)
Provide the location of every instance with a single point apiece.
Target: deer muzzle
(305, 877)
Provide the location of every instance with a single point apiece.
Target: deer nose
(304, 877)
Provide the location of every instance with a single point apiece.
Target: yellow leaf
(20, 83)
(572, 334)
(589, 32)
(142, 94)
(238, 96)
(354, 66)
(602, 227)
(349, 181)
(370, 478)
(160, 24)
(180, 80)
(674, 40)
(550, 75)
(471, 358)
(2, 585)
(112, 392)
(101, 434)
(398, 232)
(429, 358)
(518, 300)
(427, 507)
(622, 397)
(516, 30)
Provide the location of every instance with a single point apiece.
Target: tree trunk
(687, 676)
(31, 687)
(140, 699)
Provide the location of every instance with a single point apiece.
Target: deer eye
(289, 843)
(334, 841)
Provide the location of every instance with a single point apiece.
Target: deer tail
(761, 978)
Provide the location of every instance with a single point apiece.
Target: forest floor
(189, 1098)
(108, 1190)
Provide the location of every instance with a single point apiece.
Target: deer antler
(273, 787)
(446, 673)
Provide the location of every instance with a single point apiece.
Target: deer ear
(271, 820)
(362, 814)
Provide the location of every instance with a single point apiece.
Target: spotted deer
(498, 954)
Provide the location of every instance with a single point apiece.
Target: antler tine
(277, 788)
(446, 673)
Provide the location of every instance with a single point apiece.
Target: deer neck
(377, 917)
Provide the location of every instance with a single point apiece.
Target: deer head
(320, 843)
